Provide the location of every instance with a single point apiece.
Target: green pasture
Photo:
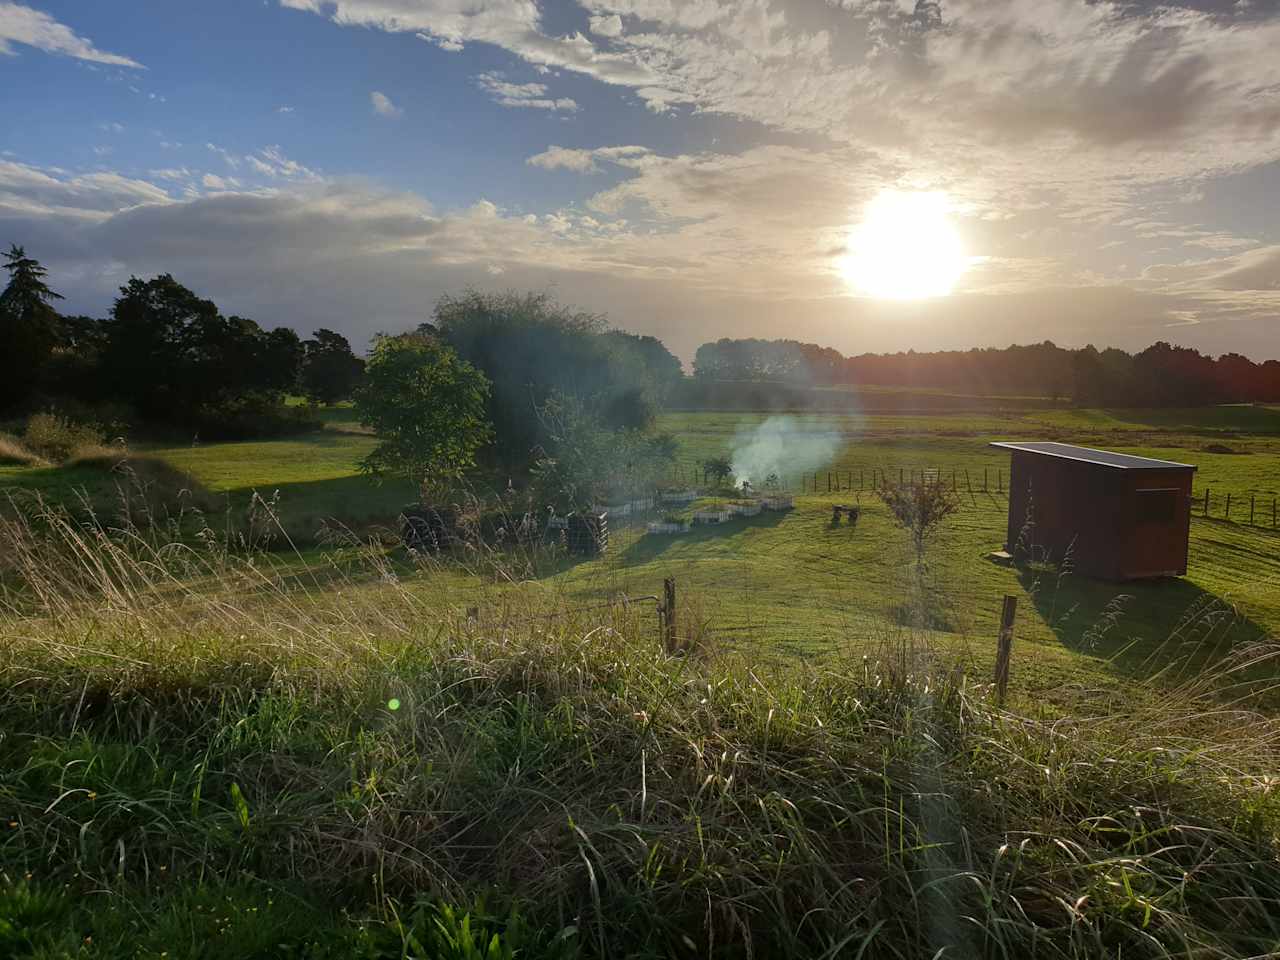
(792, 584)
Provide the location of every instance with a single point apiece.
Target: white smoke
(783, 446)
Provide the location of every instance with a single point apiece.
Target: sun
(906, 247)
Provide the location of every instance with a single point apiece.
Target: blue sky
(691, 168)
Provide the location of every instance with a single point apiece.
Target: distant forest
(1160, 375)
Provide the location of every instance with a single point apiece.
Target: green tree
(533, 349)
(719, 469)
(330, 371)
(175, 357)
(427, 408)
(29, 325)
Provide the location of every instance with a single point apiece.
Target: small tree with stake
(719, 469)
(920, 508)
(427, 408)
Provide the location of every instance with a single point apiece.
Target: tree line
(1160, 375)
(167, 355)
(516, 386)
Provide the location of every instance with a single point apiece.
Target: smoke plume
(783, 446)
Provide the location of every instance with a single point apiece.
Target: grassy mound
(13, 452)
(227, 765)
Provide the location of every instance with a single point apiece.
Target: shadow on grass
(304, 507)
(652, 546)
(1169, 626)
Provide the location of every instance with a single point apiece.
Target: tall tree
(330, 371)
(531, 349)
(28, 325)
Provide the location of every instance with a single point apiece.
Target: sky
(691, 169)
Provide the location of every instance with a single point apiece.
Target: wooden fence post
(1251, 497)
(1004, 648)
(967, 482)
(860, 479)
(667, 614)
(1227, 515)
(899, 476)
(984, 479)
(1206, 501)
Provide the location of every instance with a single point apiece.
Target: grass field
(793, 585)
(337, 752)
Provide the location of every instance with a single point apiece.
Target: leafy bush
(56, 437)
(427, 407)
(585, 463)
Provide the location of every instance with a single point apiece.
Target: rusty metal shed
(1115, 515)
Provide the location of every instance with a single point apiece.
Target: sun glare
(906, 247)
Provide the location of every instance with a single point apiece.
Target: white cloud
(607, 26)
(444, 43)
(383, 106)
(230, 158)
(584, 161)
(170, 173)
(22, 24)
(212, 181)
(284, 110)
(534, 95)
(271, 162)
(33, 192)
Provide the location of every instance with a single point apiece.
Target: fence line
(1230, 506)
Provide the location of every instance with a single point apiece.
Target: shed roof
(1103, 458)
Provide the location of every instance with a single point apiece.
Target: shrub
(252, 416)
(56, 437)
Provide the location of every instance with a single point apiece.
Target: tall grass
(13, 452)
(204, 752)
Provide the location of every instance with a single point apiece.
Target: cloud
(212, 181)
(230, 158)
(170, 173)
(606, 26)
(383, 106)
(284, 110)
(533, 95)
(28, 191)
(33, 28)
(271, 162)
(584, 161)
(444, 43)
